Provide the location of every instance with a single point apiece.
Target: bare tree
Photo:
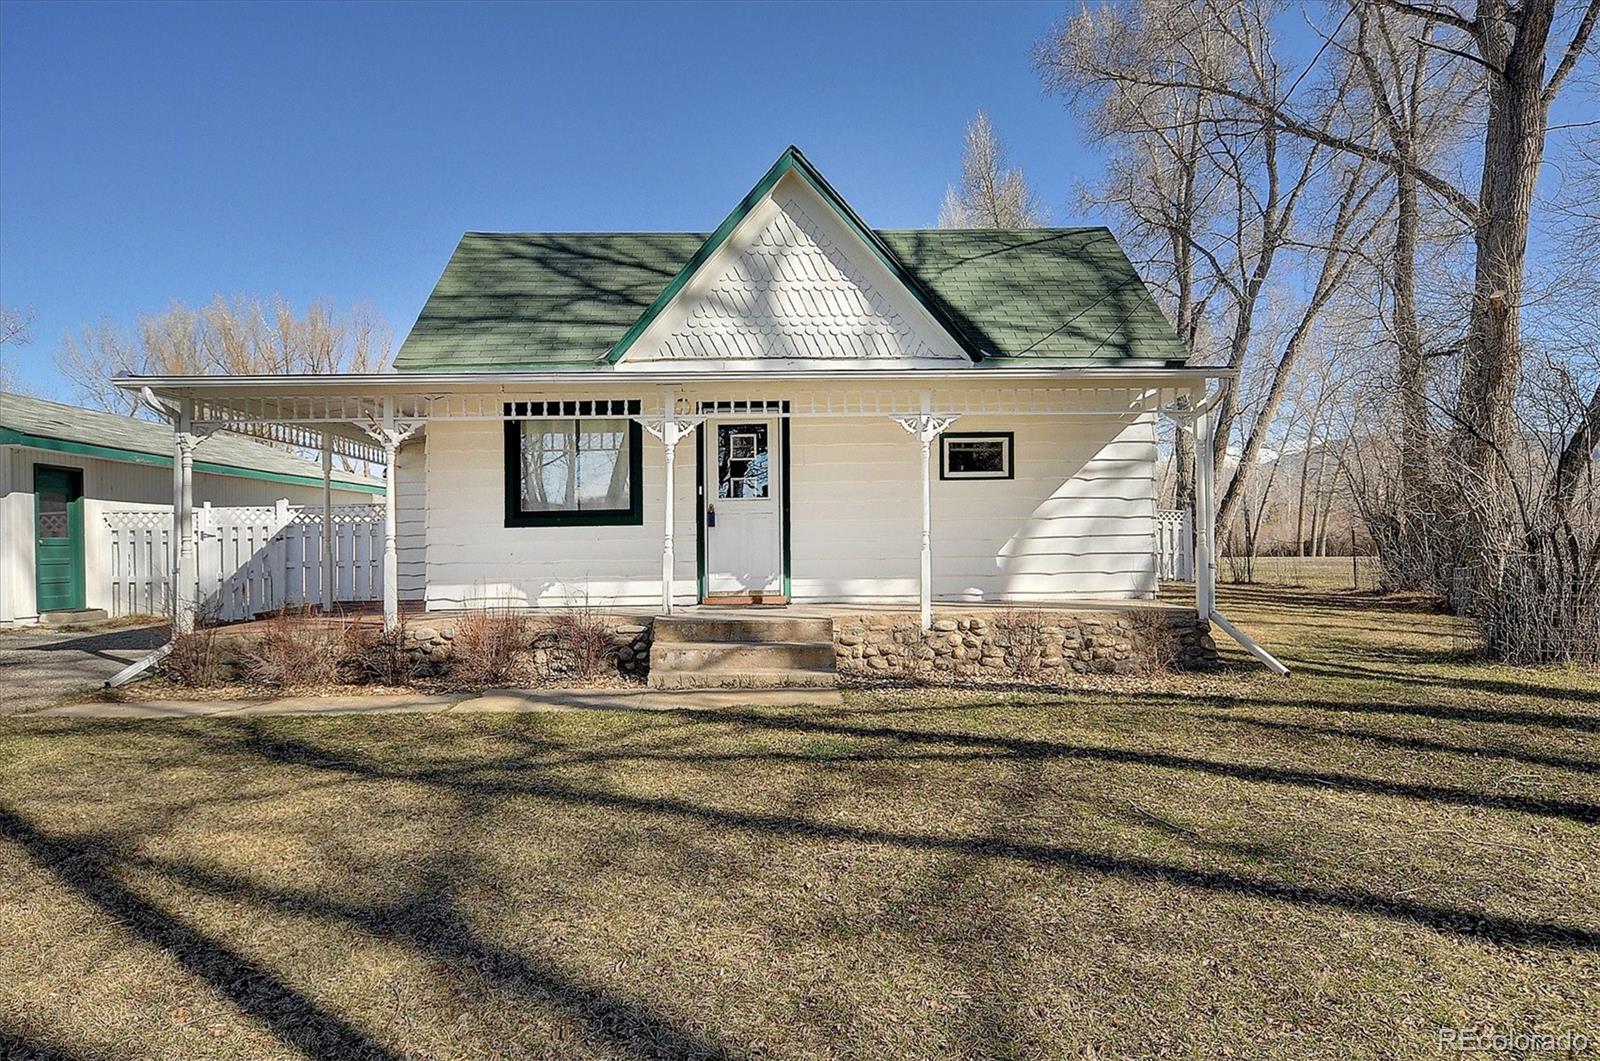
(16, 331)
(991, 193)
(245, 335)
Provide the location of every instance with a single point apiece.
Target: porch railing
(1174, 545)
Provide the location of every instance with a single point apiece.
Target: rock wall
(1028, 646)
(432, 640)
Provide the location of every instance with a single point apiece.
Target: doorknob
(711, 515)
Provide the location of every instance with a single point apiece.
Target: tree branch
(1580, 41)
(1445, 15)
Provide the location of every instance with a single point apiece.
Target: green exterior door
(58, 537)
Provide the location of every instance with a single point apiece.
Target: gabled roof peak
(792, 160)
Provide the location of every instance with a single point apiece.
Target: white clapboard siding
(1076, 521)
(411, 520)
(473, 558)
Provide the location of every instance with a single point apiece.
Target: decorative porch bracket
(389, 434)
(925, 427)
(670, 429)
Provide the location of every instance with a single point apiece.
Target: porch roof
(299, 408)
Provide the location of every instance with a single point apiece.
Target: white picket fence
(248, 560)
(1174, 545)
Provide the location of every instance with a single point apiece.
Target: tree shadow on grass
(1417, 744)
(19, 1045)
(294, 1017)
(517, 780)
(427, 919)
(1406, 673)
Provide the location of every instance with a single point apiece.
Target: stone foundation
(1046, 647)
(432, 642)
(1019, 646)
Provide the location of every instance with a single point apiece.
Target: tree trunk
(1513, 44)
(1413, 382)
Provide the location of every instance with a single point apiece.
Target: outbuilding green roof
(541, 301)
(40, 423)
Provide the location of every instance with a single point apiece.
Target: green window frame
(518, 413)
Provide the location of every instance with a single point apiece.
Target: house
(793, 408)
(62, 467)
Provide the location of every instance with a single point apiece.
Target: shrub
(193, 660)
(1021, 634)
(382, 658)
(490, 648)
(578, 644)
(293, 654)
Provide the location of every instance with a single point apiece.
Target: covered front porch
(370, 418)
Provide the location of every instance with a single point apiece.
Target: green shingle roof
(24, 418)
(537, 301)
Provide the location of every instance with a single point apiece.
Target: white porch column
(926, 427)
(671, 429)
(669, 436)
(183, 568)
(327, 523)
(387, 433)
(391, 559)
(1205, 515)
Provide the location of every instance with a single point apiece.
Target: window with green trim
(583, 470)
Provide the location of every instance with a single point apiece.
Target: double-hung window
(573, 464)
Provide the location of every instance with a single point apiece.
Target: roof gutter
(375, 382)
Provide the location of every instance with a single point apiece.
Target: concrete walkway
(39, 665)
(494, 701)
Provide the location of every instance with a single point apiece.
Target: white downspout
(1205, 536)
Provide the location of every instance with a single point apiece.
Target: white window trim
(1007, 450)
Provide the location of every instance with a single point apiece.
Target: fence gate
(249, 560)
(1174, 545)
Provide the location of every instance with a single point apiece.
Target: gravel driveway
(39, 664)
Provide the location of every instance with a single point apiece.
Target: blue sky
(152, 152)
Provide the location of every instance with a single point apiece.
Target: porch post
(327, 523)
(1205, 515)
(926, 427)
(926, 572)
(391, 562)
(669, 439)
(183, 568)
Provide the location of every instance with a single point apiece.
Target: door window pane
(52, 499)
(742, 460)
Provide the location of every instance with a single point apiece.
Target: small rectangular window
(970, 455)
(577, 472)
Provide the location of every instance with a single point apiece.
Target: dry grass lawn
(1333, 865)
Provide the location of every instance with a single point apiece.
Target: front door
(743, 514)
(58, 539)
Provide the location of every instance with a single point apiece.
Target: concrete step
(74, 617)
(701, 656)
(742, 629)
(748, 679)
